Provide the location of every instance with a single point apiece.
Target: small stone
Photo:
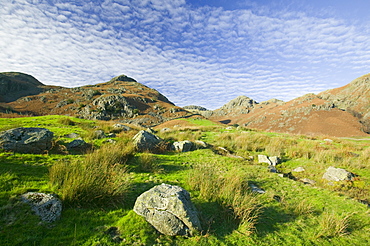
(72, 135)
(308, 181)
(257, 189)
(264, 159)
(298, 169)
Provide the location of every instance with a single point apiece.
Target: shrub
(100, 178)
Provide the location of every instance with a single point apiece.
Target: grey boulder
(337, 174)
(182, 146)
(26, 140)
(144, 140)
(168, 209)
(76, 144)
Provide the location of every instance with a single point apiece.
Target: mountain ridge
(339, 112)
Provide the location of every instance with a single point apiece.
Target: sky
(195, 52)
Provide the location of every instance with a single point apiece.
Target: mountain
(15, 85)
(340, 112)
(122, 98)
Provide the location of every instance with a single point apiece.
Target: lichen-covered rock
(26, 140)
(182, 146)
(169, 209)
(47, 206)
(337, 174)
(144, 140)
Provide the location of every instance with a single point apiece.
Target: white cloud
(202, 56)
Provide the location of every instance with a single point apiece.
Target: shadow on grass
(269, 220)
(33, 167)
(216, 219)
(156, 165)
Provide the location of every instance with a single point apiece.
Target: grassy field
(288, 213)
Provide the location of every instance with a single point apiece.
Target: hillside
(122, 98)
(340, 112)
(354, 96)
(239, 199)
(309, 115)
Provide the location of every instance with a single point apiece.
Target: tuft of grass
(332, 225)
(66, 121)
(147, 162)
(99, 178)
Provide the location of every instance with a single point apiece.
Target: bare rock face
(26, 140)
(169, 209)
(337, 174)
(145, 140)
(47, 206)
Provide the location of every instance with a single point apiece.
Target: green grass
(202, 122)
(289, 213)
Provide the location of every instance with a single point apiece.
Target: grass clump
(100, 177)
(332, 225)
(147, 162)
(231, 191)
(66, 121)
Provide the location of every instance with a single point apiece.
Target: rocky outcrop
(169, 209)
(108, 107)
(26, 140)
(47, 206)
(194, 107)
(144, 140)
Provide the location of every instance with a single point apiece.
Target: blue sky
(194, 52)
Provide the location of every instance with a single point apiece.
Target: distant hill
(122, 98)
(339, 112)
(14, 85)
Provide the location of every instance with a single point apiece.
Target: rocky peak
(240, 101)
